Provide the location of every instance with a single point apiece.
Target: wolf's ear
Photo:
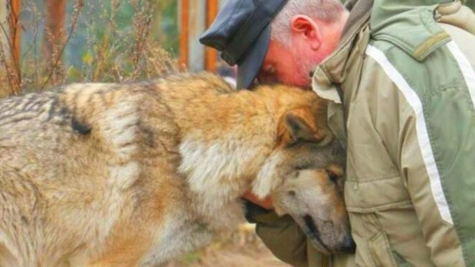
(300, 127)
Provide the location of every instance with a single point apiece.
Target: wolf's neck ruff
(226, 154)
(224, 160)
(218, 168)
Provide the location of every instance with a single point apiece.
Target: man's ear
(300, 127)
(308, 28)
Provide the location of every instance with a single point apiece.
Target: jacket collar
(331, 71)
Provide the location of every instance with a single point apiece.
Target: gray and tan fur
(135, 174)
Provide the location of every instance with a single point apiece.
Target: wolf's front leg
(125, 250)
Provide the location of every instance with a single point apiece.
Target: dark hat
(241, 32)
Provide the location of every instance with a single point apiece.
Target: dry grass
(110, 53)
(241, 248)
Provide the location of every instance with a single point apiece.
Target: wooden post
(53, 37)
(210, 53)
(15, 31)
(12, 53)
(195, 17)
(184, 32)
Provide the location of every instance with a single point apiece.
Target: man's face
(288, 64)
(309, 43)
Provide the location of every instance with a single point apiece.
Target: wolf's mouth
(312, 231)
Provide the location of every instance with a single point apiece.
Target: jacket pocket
(380, 251)
(373, 247)
(375, 195)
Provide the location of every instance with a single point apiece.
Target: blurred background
(50, 42)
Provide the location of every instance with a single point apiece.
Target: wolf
(134, 174)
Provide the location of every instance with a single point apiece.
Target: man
(400, 79)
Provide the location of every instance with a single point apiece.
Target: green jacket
(402, 91)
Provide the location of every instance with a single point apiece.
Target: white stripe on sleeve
(421, 128)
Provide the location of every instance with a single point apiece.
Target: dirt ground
(239, 249)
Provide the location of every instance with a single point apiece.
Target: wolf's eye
(291, 193)
(333, 177)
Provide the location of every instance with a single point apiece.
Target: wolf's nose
(349, 245)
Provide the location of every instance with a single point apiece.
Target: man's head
(281, 44)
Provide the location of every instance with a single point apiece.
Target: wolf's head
(305, 176)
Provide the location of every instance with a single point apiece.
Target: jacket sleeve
(428, 170)
(433, 144)
(288, 242)
(280, 234)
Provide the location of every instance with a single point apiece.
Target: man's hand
(265, 203)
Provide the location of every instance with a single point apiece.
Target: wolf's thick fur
(134, 174)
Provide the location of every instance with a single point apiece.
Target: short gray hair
(324, 10)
